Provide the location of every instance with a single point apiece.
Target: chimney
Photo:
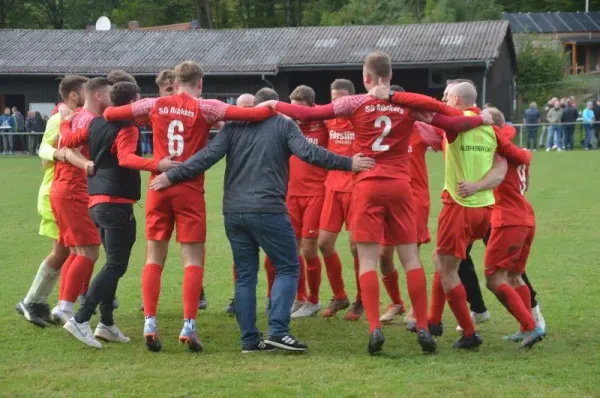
(195, 24)
(91, 28)
(133, 25)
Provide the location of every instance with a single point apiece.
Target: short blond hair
(165, 77)
(497, 116)
(303, 93)
(379, 64)
(189, 72)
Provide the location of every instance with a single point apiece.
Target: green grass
(563, 268)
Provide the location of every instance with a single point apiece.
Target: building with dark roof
(577, 33)
(244, 60)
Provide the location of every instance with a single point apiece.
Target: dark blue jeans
(247, 232)
(568, 132)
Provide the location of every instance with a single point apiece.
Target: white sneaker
(297, 305)
(539, 318)
(477, 319)
(558, 150)
(110, 333)
(82, 332)
(60, 316)
(393, 310)
(554, 147)
(547, 149)
(308, 309)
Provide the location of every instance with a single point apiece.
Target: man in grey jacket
(256, 215)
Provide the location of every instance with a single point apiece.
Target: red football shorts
(179, 206)
(422, 221)
(383, 212)
(508, 248)
(337, 210)
(460, 226)
(75, 227)
(305, 212)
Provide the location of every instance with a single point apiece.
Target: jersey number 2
(175, 150)
(387, 127)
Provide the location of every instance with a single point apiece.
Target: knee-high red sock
(513, 302)
(86, 282)
(357, 277)
(63, 274)
(525, 294)
(392, 286)
(417, 290)
(301, 293)
(270, 270)
(369, 285)
(333, 265)
(192, 286)
(80, 269)
(438, 300)
(313, 276)
(234, 274)
(151, 276)
(457, 301)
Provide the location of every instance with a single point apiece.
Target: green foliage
(461, 10)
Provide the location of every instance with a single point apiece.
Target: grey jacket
(257, 171)
(554, 115)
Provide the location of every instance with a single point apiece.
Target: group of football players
(384, 210)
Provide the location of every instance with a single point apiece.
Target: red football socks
(192, 286)
(390, 281)
(514, 304)
(63, 274)
(151, 276)
(417, 290)
(301, 293)
(80, 271)
(457, 300)
(270, 270)
(369, 285)
(333, 265)
(313, 275)
(357, 277)
(525, 294)
(438, 300)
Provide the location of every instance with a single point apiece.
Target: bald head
(245, 101)
(462, 96)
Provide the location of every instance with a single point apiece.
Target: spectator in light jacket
(588, 124)
(7, 125)
(554, 117)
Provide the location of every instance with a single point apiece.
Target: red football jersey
(341, 141)
(180, 126)
(382, 131)
(512, 207)
(71, 181)
(306, 179)
(423, 136)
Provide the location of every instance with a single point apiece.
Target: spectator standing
(531, 119)
(554, 117)
(597, 121)
(30, 130)
(20, 128)
(7, 125)
(569, 117)
(35, 139)
(589, 117)
(548, 106)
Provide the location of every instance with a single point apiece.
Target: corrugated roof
(553, 22)
(246, 50)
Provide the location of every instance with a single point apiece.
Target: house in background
(577, 33)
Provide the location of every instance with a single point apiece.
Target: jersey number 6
(387, 127)
(175, 150)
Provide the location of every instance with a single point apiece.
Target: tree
(461, 10)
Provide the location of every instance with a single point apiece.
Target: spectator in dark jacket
(531, 119)
(20, 128)
(570, 115)
(597, 122)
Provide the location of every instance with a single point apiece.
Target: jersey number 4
(387, 127)
(175, 140)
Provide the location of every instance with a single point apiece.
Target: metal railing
(542, 133)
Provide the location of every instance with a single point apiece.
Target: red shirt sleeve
(307, 113)
(70, 138)
(510, 151)
(138, 110)
(247, 114)
(455, 125)
(424, 103)
(126, 146)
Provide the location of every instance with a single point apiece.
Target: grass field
(563, 268)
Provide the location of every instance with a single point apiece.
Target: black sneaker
(202, 302)
(45, 313)
(230, 309)
(468, 343)
(286, 342)
(436, 329)
(426, 341)
(376, 341)
(411, 326)
(32, 312)
(260, 346)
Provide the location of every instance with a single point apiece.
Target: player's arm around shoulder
(49, 140)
